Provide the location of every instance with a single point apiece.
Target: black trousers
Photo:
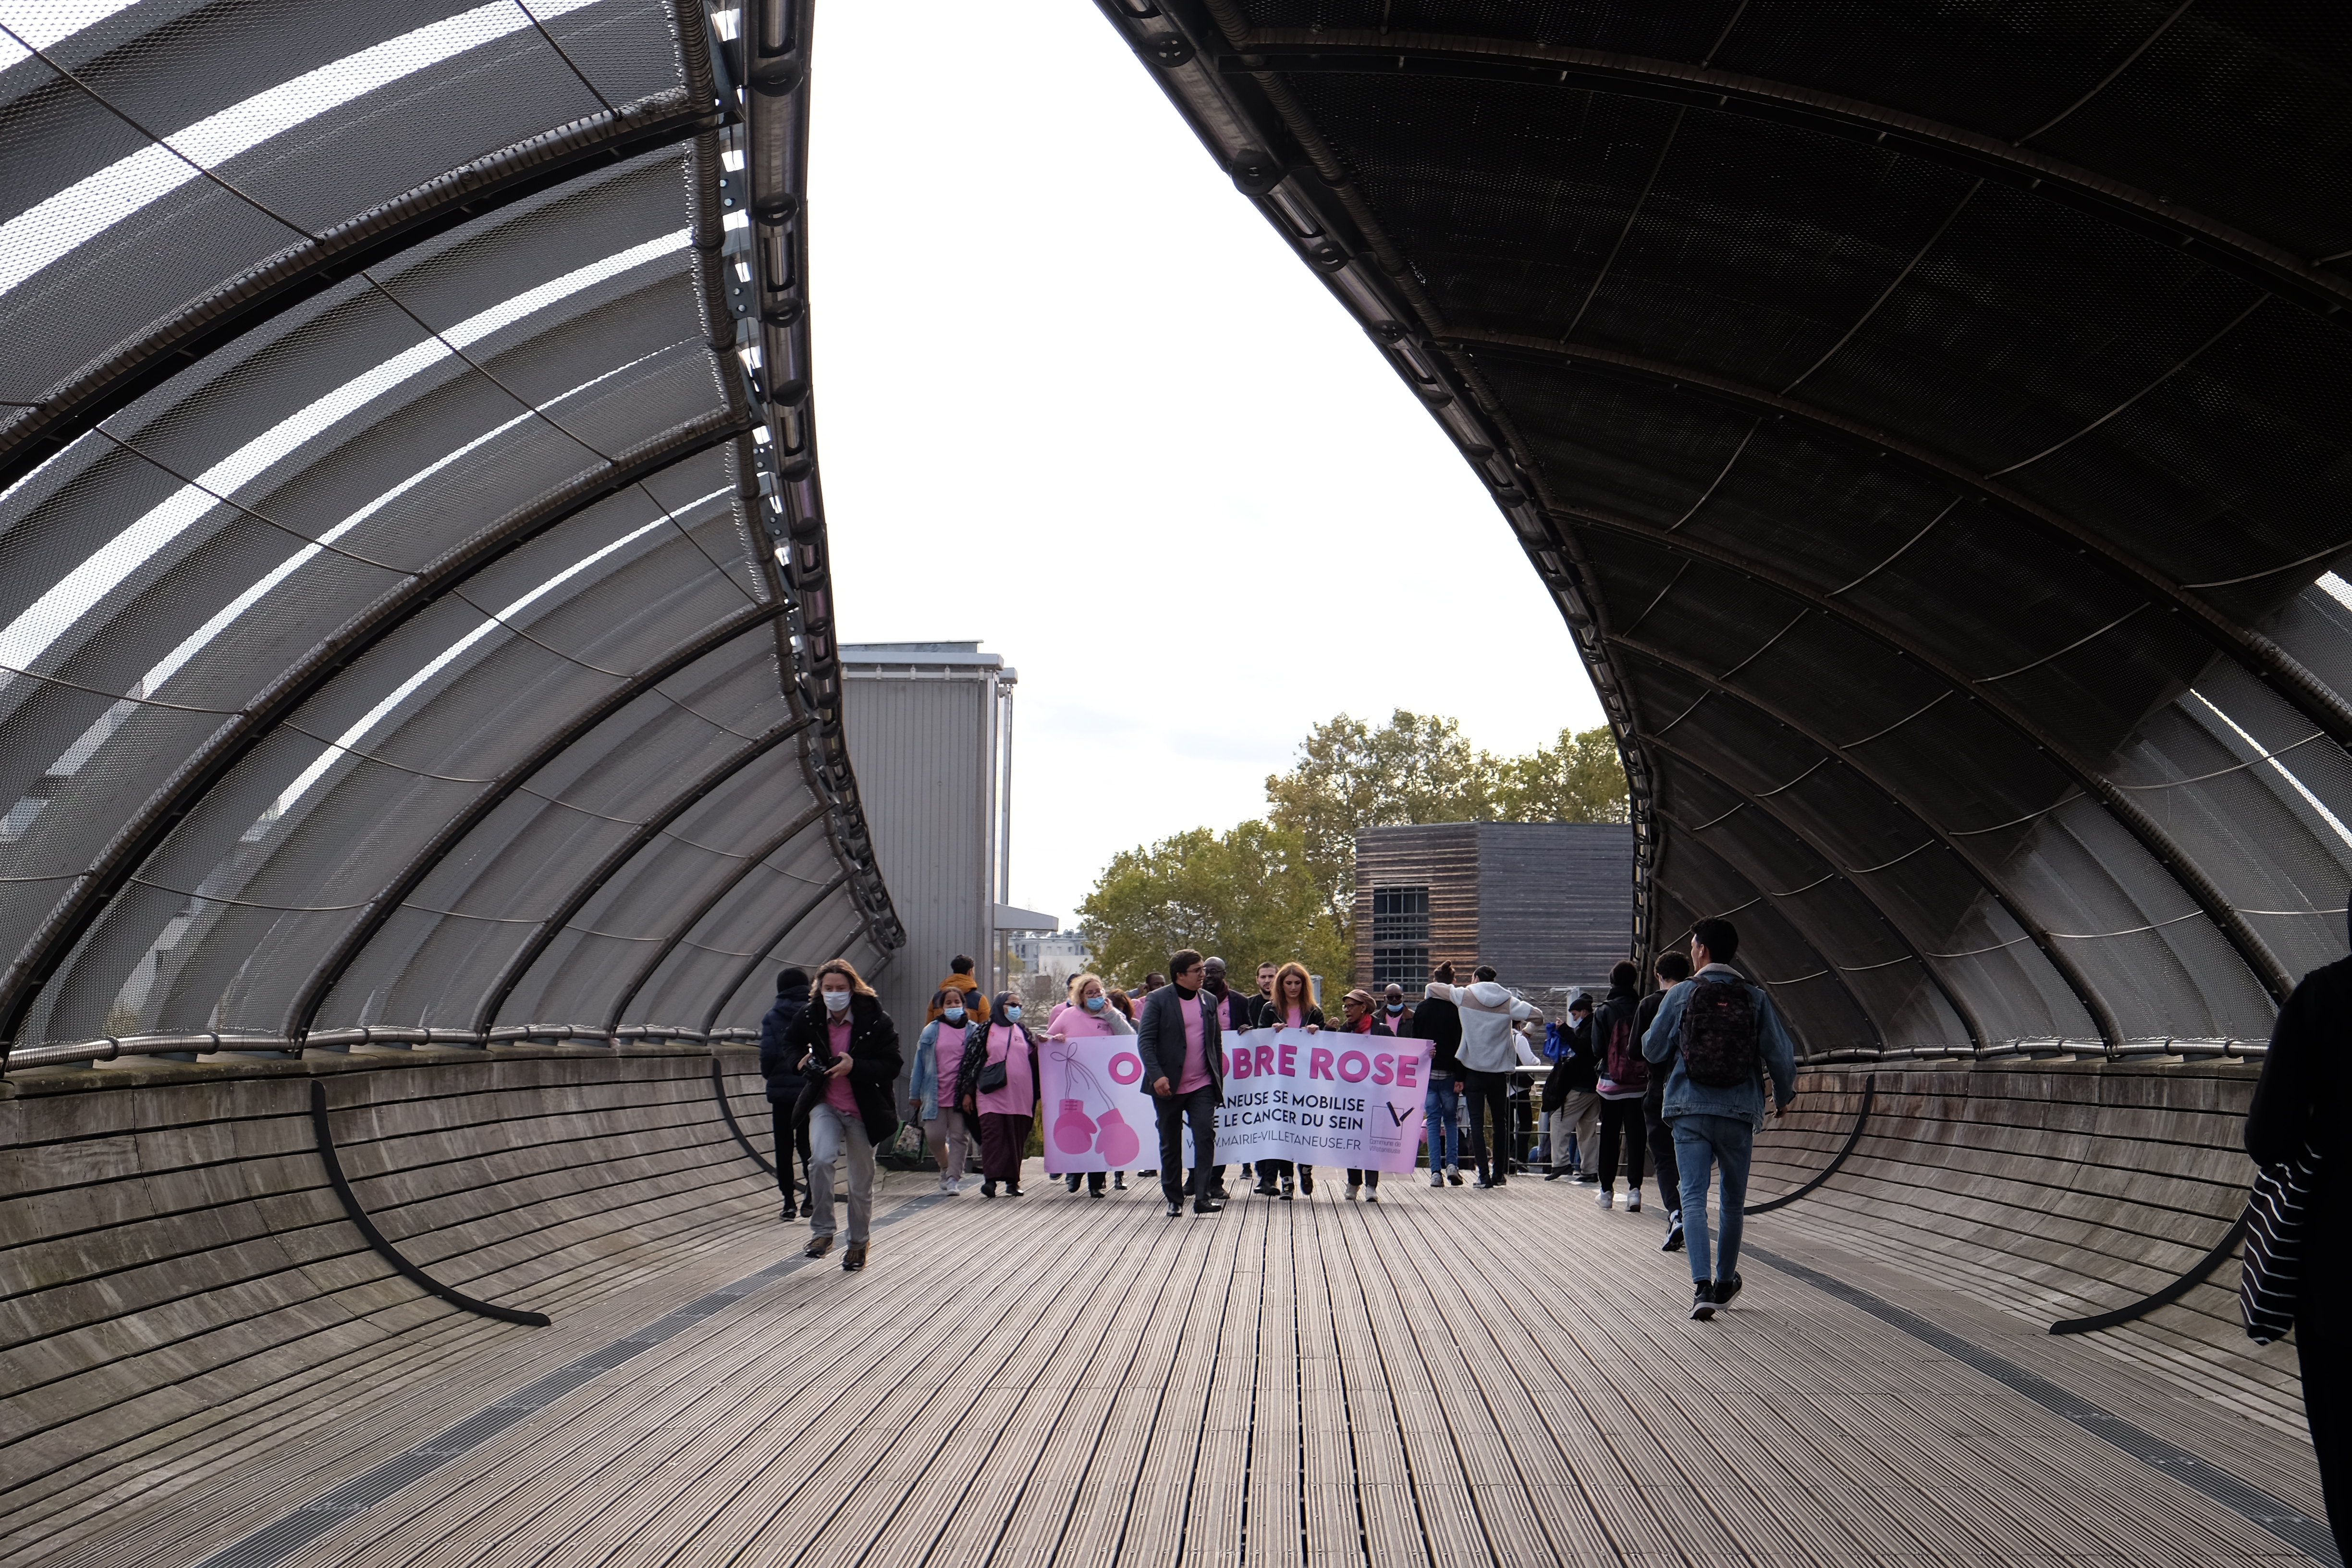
(1661, 1146)
(1200, 1108)
(1620, 1125)
(1271, 1171)
(1363, 1178)
(788, 1137)
(1489, 1093)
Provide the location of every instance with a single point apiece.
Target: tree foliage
(1243, 895)
(1419, 768)
(1285, 888)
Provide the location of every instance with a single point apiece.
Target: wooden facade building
(1547, 903)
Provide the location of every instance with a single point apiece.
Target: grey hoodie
(1488, 1013)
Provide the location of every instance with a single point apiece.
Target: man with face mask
(1395, 1017)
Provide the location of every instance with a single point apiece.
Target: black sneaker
(1554, 1175)
(1453, 1176)
(1483, 1180)
(1703, 1301)
(1071, 1182)
(1306, 1181)
(853, 1257)
(1175, 1207)
(988, 1189)
(1673, 1242)
(1725, 1289)
(1499, 1180)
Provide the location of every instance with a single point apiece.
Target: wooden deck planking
(1405, 1383)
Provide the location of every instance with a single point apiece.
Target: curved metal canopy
(414, 619)
(1935, 426)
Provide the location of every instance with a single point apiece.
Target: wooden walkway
(1451, 1377)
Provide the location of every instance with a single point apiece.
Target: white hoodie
(1487, 1013)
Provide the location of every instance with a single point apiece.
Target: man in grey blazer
(1183, 1066)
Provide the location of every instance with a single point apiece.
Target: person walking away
(1440, 1023)
(1183, 1065)
(1673, 968)
(1488, 1057)
(1088, 1016)
(1292, 1008)
(1624, 1079)
(997, 1084)
(1719, 1037)
(960, 982)
(2298, 1108)
(847, 1048)
(1236, 1013)
(938, 1056)
(780, 1065)
(1571, 1096)
(1359, 1016)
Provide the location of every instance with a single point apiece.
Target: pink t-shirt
(947, 1053)
(1078, 1024)
(1019, 1095)
(837, 1091)
(1196, 1063)
(1298, 1018)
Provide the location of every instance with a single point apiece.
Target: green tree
(1243, 895)
(1419, 768)
(1578, 779)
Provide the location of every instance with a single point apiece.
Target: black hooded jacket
(1439, 1022)
(780, 1067)
(2299, 1098)
(874, 1056)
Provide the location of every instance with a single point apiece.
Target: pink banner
(1327, 1098)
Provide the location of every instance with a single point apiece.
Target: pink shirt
(1298, 1018)
(947, 1054)
(836, 1092)
(1078, 1024)
(1196, 1063)
(1019, 1095)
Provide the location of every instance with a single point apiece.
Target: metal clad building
(930, 729)
(1544, 902)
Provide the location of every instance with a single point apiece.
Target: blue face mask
(1012, 1013)
(953, 1015)
(1095, 1003)
(1396, 1006)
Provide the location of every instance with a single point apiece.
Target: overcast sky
(1076, 399)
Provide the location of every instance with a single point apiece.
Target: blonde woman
(1289, 1005)
(847, 1048)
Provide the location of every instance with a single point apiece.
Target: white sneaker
(1633, 1201)
(1352, 1190)
(1608, 1199)
(1436, 1177)
(1372, 1197)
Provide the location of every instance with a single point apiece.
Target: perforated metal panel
(1934, 427)
(414, 612)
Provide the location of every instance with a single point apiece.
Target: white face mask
(836, 1001)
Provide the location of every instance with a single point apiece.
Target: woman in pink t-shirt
(1089, 1015)
(1006, 1111)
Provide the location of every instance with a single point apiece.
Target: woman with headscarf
(997, 1084)
(938, 1058)
(1088, 1015)
(1291, 1006)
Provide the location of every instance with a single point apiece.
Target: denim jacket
(1742, 1100)
(924, 1086)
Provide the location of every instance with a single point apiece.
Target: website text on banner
(1327, 1099)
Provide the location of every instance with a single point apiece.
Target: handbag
(2278, 1223)
(996, 1075)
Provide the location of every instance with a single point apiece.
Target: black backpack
(1718, 1036)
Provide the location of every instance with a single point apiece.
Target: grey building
(931, 737)
(1547, 903)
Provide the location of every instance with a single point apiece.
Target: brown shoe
(853, 1257)
(818, 1246)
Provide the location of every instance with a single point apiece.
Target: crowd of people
(1672, 1075)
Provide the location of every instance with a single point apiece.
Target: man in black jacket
(2298, 1105)
(848, 1049)
(1183, 1066)
(779, 1067)
(1673, 968)
(1571, 1098)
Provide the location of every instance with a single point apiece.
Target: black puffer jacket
(874, 1055)
(1439, 1022)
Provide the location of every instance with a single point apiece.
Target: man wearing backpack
(1717, 1036)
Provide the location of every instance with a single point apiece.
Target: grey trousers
(949, 1139)
(1579, 1114)
(830, 1136)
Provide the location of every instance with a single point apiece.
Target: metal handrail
(107, 1048)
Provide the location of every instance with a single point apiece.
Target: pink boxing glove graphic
(1115, 1140)
(1074, 1130)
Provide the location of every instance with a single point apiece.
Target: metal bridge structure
(415, 622)
(1932, 423)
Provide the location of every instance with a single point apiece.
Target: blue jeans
(1439, 1108)
(1700, 1141)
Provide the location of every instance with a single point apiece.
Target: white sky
(1076, 399)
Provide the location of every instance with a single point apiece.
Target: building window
(1399, 936)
